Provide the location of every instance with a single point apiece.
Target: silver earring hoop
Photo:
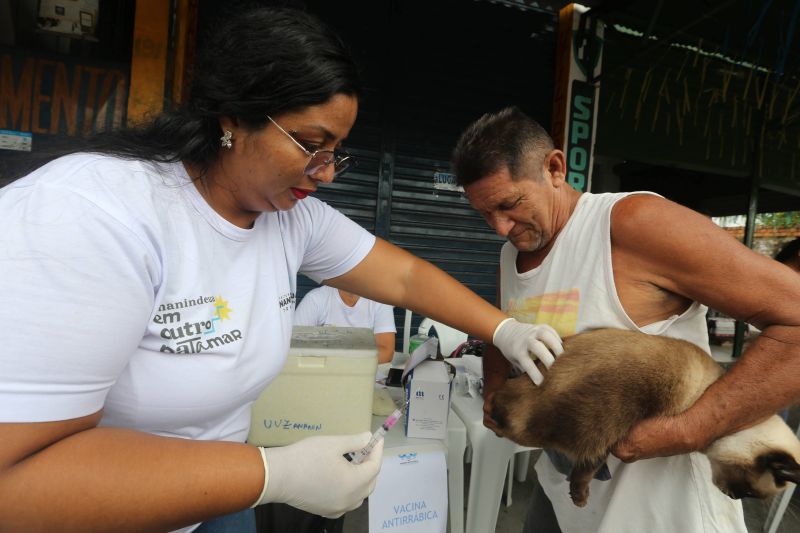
(225, 140)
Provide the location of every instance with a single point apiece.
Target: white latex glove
(314, 476)
(520, 343)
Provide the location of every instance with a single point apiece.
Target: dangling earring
(225, 140)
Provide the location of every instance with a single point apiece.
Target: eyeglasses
(320, 159)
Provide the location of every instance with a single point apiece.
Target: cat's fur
(608, 380)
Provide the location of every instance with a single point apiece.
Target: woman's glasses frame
(319, 159)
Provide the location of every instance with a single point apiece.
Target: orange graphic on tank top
(558, 309)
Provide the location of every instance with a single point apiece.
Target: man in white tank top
(639, 262)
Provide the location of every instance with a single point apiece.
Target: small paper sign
(16, 140)
(410, 494)
(444, 181)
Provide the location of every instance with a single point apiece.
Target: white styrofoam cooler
(325, 388)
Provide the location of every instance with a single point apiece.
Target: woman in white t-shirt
(149, 284)
(326, 306)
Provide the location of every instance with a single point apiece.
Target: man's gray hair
(507, 138)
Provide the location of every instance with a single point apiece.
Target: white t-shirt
(323, 306)
(124, 290)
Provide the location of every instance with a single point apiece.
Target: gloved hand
(520, 343)
(314, 476)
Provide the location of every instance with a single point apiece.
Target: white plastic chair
(449, 338)
(517, 469)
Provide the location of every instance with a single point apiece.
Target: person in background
(789, 254)
(326, 306)
(149, 285)
(634, 261)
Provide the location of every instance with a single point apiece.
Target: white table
(453, 446)
(490, 457)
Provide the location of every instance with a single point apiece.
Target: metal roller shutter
(427, 79)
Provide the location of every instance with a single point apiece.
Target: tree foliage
(788, 219)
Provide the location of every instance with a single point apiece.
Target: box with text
(325, 388)
(428, 391)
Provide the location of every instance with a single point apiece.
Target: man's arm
(496, 369)
(385, 330)
(661, 249)
(385, 343)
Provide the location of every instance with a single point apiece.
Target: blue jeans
(241, 522)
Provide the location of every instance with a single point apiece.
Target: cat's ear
(784, 467)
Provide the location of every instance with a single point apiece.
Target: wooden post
(184, 37)
(577, 91)
(149, 60)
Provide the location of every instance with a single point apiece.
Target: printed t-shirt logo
(286, 301)
(558, 309)
(195, 325)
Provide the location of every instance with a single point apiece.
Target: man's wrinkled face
(518, 210)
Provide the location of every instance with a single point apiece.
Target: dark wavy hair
(506, 138)
(264, 61)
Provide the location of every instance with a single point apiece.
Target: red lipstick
(299, 193)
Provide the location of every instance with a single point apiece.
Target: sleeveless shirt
(573, 290)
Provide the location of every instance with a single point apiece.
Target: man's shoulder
(613, 199)
(319, 293)
(379, 306)
(639, 212)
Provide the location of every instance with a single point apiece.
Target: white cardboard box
(325, 388)
(428, 391)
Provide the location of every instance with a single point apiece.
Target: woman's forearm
(412, 283)
(105, 479)
(437, 295)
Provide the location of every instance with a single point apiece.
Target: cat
(606, 381)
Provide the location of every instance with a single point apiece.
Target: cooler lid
(332, 341)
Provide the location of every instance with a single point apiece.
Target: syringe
(360, 455)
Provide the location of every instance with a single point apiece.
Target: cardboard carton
(428, 390)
